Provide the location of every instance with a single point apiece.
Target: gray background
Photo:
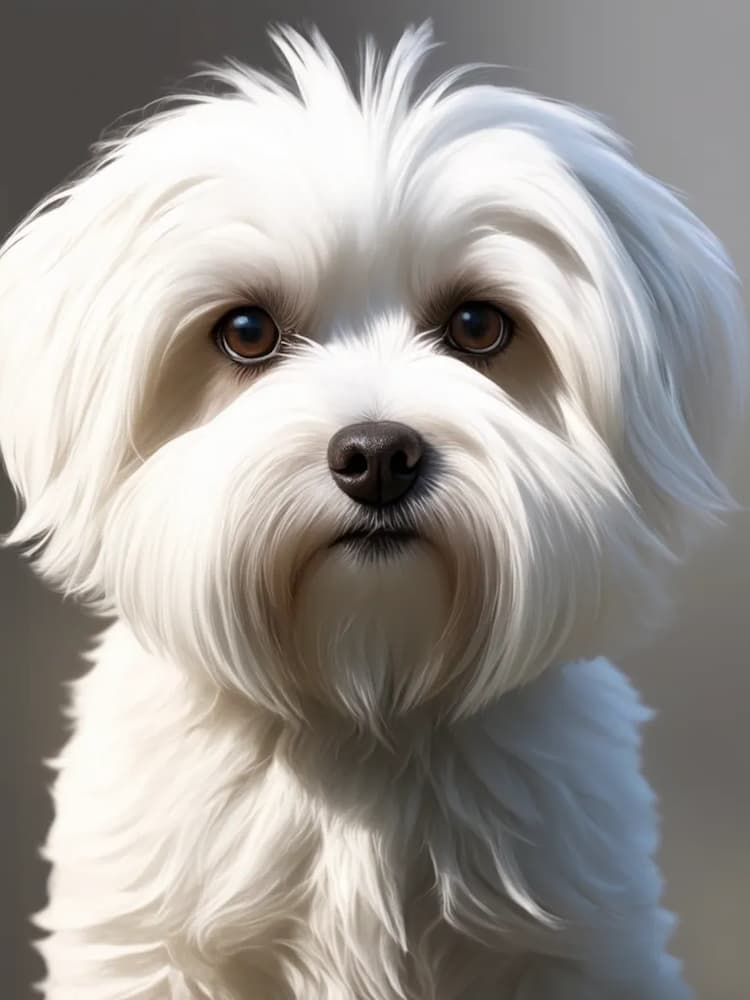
(674, 78)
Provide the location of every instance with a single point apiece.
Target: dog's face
(366, 402)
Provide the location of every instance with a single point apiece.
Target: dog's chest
(361, 883)
(245, 866)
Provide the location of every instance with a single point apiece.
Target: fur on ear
(45, 268)
(67, 401)
(683, 342)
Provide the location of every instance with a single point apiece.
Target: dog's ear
(63, 340)
(683, 344)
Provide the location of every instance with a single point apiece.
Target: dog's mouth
(376, 542)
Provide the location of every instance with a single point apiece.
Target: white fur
(296, 775)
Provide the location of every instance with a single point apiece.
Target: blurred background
(674, 78)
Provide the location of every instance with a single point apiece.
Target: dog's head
(366, 400)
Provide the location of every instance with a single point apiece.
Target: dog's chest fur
(245, 864)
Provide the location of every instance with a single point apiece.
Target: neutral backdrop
(673, 77)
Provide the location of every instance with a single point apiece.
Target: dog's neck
(334, 757)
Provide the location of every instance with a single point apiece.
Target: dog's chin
(370, 604)
(381, 578)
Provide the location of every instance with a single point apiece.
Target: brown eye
(479, 328)
(247, 335)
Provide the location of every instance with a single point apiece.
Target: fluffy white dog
(373, 421)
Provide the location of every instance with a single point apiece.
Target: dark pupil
(249, 326)
(476, 322)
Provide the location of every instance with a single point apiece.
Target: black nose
(375, 463)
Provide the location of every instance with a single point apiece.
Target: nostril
(401, 466)
(356, 465)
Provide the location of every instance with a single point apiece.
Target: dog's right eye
(247, 335)
(479, 328)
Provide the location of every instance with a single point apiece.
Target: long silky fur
(296, 773)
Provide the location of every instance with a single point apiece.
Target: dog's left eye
(479, 328)
(247, 335)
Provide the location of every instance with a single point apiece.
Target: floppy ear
(64, 410)
(51, 386)
(683, 339)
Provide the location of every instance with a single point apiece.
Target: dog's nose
(375, 462)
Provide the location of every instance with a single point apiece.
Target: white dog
(373, 421)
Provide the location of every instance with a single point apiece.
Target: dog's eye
(479, 328)
(247, 335)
